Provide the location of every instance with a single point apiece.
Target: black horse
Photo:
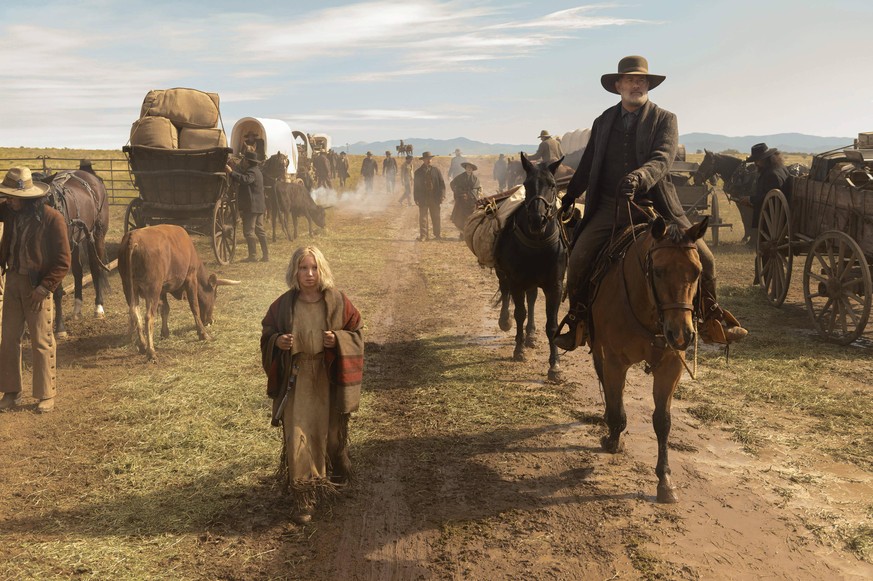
(531, 253)
(274, 171)
(81, 199)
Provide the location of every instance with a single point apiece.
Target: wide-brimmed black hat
(631, 65)
(761, 151)
(251, 157)
(472, 165)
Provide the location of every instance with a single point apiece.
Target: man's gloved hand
(567, 203)
(629, 185)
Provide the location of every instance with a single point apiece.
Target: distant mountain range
(787, 142)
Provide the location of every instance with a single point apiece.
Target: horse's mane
(675, 233)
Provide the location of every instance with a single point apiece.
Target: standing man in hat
(632, 146)
(501, 169)
(466, 189)
(406, 178)
(252, 204)
(772, 175)
(456, 166)
(549, 149)
(369, 169)
(343, 168)
(35, 255)
(429, 191)
(322, 170)
(389, 170)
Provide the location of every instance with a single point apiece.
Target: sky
(496, 71)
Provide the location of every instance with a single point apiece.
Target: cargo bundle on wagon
(177, 156)
(829, 218)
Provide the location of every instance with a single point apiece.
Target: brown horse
(81, 198)
(274, 171)
(644, 311)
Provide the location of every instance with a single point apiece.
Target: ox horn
(226, 281)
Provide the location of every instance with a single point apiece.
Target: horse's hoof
(518, 355)
(99, 312)
(61, 335)
(667, 494)
(612, 446)
(504, 324)
(152, 357)
(205, 337)
(556, 376)
(530, 342)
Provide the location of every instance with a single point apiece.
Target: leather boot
(719, 325)
(253, 251)
(10, 400)
(265, 252)
(577, 329)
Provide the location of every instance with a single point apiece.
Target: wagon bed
(187, 187)
(830, 220)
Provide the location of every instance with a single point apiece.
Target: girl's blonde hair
(325, 276)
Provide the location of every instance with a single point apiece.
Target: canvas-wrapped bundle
(191, 138)
(485, 223)
(154, 132)
(184, 107)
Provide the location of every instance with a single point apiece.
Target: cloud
(366, 115)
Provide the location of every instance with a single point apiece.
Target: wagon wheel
(133, 217)
(774, 259)
(837, 287)
(224, 230)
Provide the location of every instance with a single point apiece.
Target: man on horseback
(627, 162)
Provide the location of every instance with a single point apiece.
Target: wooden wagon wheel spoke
(844, 283)
(774, 255)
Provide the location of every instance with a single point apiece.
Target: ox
(298, 200)
(158, 260)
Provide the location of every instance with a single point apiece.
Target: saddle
(66, 202)
(611, 254)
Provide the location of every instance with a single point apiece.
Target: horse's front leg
(614, 377)
(530, 331)
(667, 377)
(60, 329)
(518, 299)
(503, 321)
(553, 302)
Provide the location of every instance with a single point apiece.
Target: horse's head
(540, 194)
(673, 271)
(276, 166)
(706, 169)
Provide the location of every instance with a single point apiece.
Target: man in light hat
(456, 166)
(772, 175)
(35, 256)
(252, 204)
(466, 189)
(369, 170)
(549, 149)
(429, 191)
(629, 155)
(406, 177)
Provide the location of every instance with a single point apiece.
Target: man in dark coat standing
(428, 191)
(343, 168)
(252, 204)
(632, 147)
(322, 170)
(466, 189)
(369, 169)
(389, 170)
(500, 170)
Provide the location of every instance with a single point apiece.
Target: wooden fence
(115, 172)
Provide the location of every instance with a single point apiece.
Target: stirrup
(575, 336)
(721, 327)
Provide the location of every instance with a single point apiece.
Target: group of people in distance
(311, 344)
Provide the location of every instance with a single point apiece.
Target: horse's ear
(659, 228)
(697, 231)
(553, 167)
(706, 151)
(525, 163)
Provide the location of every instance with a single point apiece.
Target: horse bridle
(648, 270)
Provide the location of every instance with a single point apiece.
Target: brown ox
(158, 260)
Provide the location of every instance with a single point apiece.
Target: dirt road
(469, 466)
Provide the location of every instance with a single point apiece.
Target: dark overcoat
(656, 144)
(250, 192)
